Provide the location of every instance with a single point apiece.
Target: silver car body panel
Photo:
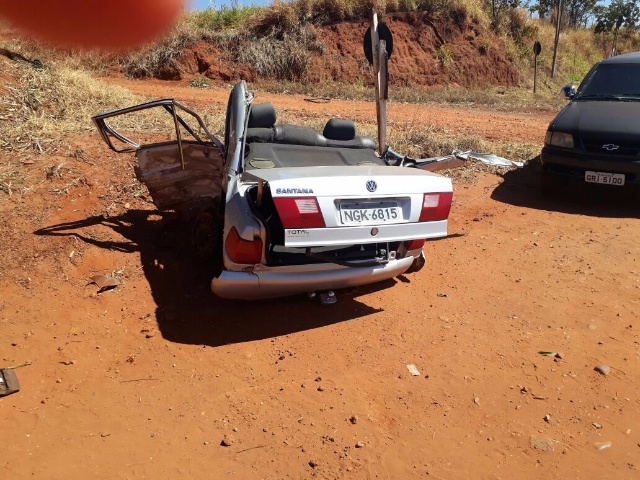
(302, 237)
(282, 281)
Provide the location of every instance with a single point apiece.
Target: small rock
(282, 357)
(542, 444)
(476, 400)
(603, 445)
(105, 434)
(320, 389)
(547, 418)
(313, 463)
(603, 369)
(360, 445)
(234, 429)
(560, 355)
(226, 442)
(59, 380)
(597, 425)
(353, 419)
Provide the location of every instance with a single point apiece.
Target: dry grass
(11, 179)
(424, 142)
(49, 103)
(287, 58)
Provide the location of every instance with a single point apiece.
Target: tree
(575, 13)
(578, 12)
(498, 6)
(618, 14)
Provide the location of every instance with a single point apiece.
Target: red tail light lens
(436, 206)
(414, 244)
(300, 212)
(241, 250)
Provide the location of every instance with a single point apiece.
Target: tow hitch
(325, 298)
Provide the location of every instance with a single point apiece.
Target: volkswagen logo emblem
(372, 185)
(610, 147)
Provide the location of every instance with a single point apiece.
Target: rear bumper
(573, 164)
(282, 282)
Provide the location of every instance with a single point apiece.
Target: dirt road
(150, 379)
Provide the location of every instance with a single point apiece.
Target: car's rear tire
(207, 237)
(417, 264)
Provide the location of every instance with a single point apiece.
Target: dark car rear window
(614, 79)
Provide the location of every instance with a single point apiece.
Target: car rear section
(324, 227)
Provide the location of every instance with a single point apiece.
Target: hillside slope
(426, 52)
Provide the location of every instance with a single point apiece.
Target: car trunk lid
(322, 205)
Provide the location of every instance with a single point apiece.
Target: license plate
(604, 178)
(370, 213)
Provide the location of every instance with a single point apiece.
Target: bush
(284, 59)
(159, 59)
(444, 56)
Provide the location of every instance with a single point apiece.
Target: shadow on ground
(187, 312)
(521, 188)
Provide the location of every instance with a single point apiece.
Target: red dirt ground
(146, 380)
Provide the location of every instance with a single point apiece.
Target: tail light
(241, 250)
(414, 244)
(301, 212)
(436, 206)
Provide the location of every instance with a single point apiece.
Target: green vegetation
(444, 55)
(210, 21)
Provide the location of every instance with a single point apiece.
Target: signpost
(557, 39)
(378, 46)
(537, 48)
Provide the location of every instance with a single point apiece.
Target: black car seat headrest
(262, 115)
(337, 129)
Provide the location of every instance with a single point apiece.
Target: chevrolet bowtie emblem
(610, 146)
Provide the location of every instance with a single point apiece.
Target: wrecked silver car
(283, 209)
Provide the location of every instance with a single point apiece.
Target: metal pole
(557, 39)
(381, 110)
(535, 73)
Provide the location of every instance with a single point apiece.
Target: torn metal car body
(456, 159)
(8, 382)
